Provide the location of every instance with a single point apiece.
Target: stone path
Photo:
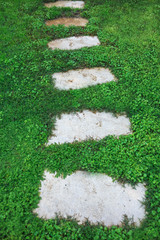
(73, 43)
(93, 197)
(84, 195)
(88, 125)
(68, 22)
(71, 4)
(81, 78)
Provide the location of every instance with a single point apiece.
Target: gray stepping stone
(72, 43)
(81, 78)
(68, 22)
(71, 4)
(93, 197)
(88, 125)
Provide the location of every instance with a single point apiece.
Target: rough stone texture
(88, 125)
(71, 4)
(89, 196)
(72, 43)
(68, 22)
(75, 79)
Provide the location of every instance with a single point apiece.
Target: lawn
(129, 32)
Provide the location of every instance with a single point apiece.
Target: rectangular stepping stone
(81, 78)
(68, 22)
(71, 4)
(72, 43)
(93, 197)
(88, 125)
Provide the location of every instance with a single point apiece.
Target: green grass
(130, 43)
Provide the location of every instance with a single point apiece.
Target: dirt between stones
(68, 22)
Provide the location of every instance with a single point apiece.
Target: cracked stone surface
(72, 43)
(95, 197)
(71, 4)
(68, 22)
(81, 78)
(88, 125)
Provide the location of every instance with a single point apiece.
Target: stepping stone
(88, 125)
(93, 197)
(68, 22)
(71, 4)
(72, 43)
(81, 78)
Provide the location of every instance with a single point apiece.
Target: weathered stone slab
(68, 22)
(81, 78)
(88, 125)
(71, 4)
(93, 197)
(72, 43)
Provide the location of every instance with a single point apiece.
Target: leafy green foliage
(129, 35)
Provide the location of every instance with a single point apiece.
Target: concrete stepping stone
(71, 4)
(88, 125)
(81, 78)
(72, 43)
(68, 22)
(93, 197)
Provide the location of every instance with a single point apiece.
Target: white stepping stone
(81, 78)
(93, 197)
(72, 43)
(88, 125)
(71, 4)
(68, 22)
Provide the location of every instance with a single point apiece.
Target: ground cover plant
(130, 43)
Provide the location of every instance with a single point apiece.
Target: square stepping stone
(72, 43)
(81, 78)
(71, 4)
(93, 197)
(88, 125)
(68, 22)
